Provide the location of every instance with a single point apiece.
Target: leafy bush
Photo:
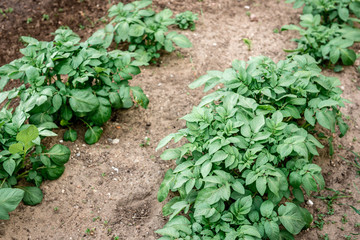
(295, 87)
(23, 157)
(232, 175)
(324, 43)
(242, 172)
(186, 20)
(69, 80)
(330, 10)
(144, 31)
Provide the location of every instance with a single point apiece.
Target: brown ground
(111, 189)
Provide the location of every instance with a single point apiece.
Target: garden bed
(109, 189)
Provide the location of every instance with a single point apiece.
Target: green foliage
(295, 87)
(246, 163)
(331, 11)
(70, 80)
(329, 30)
(144, 31)
(325, 43)
(186, 20)
(23, 157)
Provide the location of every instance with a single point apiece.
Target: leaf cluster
(331, 11)
(246, 163)
(325, 43)
(295, 87)
(186, 20)
(329, 30)
(141, 29)
(70, 80)
(22, 157)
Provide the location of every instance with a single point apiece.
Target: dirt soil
(109, 190)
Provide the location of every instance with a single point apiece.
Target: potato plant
(71, 80)
(186, 20)
(246, 162)
(295, 87)
(340, 11)
(327, 44)
(22, 157)
(141, 29)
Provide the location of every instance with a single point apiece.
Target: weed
(248, 43)
(325, 237)
(45, 17)
(344, 219)
(29, 20)
(145, 143)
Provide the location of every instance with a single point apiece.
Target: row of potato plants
(65, 81)
(328, 30)
(249, 152)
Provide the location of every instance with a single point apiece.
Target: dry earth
(110, 189)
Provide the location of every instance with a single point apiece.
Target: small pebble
(253, 18)
(78, 154)
(61, 141)
(309, 202)
(115, 141)
(247, 7)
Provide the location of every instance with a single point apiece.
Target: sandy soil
(109, 190)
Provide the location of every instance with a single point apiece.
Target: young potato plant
(327, 44)
(186, 20)
(22, 157)
(295, 87)
(240, 175)
(331, 11)
(142, 30)
(69, 81)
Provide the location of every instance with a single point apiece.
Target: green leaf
(16, 148)
(334, 55)
(9, 200)
(169, 231)
(267, 208)
(355, 8)
(170, 154)
(27, 135)
(326, 120)
(257, 123)
(139, 97)
(241, 206)
(115, 100)
(165, 141)
(182, 41)
(93, 134)
(343, 14)
(59, 154)
(9, 166)
(70, 135)
(83, 101)
(308, 114)
(272, 230)
(102, 113)
(32, 196)
(53, 172)
(348, 56)
(238, 187)
(136, 30)
(165, 185)
(261, 185)
(219, 156)
(291, 218)
(298, 194)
